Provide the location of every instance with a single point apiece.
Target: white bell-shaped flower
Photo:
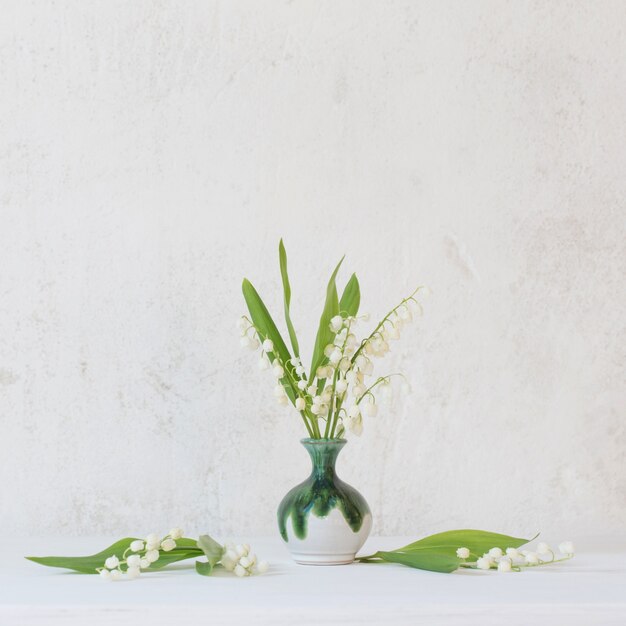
(336, 323)
(394, 333)
(344, 365)
(112, 562)
(167, 545)
(505, 565)
(361, 361)
(354, 420)
(133, 560)
(152, 556)
(115, 574)
(335, 356)
(133, 572)
(371, 409)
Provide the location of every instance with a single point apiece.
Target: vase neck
(323, 453)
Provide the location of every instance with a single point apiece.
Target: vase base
(323, 559)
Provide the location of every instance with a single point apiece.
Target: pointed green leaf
(267, 329)
(282, 255)
(84, 564)
(477, 541)
(431, 560)
(213, 552)
(324, 334)
(351, 298)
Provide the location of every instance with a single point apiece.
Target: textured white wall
(152, 154)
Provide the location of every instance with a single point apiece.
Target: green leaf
(282, 255)
(324, 334)
(431, 560)
(213, 552)
(204, 568)
(185, 549)
(267, 329)
(351, 298)
(477, 541)
(84, 564)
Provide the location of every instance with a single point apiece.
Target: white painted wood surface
(590, 589)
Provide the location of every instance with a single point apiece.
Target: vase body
(323, 520)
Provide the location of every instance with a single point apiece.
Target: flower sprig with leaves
(127, 558)
(340, 363)
(471, 549)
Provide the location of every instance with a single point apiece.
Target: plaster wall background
(153, 153)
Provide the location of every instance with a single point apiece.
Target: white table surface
(590, 589)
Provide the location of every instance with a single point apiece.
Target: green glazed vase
(323, 520)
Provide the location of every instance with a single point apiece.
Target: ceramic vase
(323, 520)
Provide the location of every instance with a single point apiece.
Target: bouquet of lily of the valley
(339, 384)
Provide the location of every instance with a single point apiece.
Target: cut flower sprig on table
(339, 386)
(472, 549)
(128, 558)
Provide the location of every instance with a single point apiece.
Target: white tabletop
(590, 589)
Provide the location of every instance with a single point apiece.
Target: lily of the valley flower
(513, 559)
(340, 364)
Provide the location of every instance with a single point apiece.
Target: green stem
(332, 417)
(335, 401)
(382, 323)
(306, 423)
(472, 564)
(294, 387)
(380, 380)
(336, 419)
(314, 423)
